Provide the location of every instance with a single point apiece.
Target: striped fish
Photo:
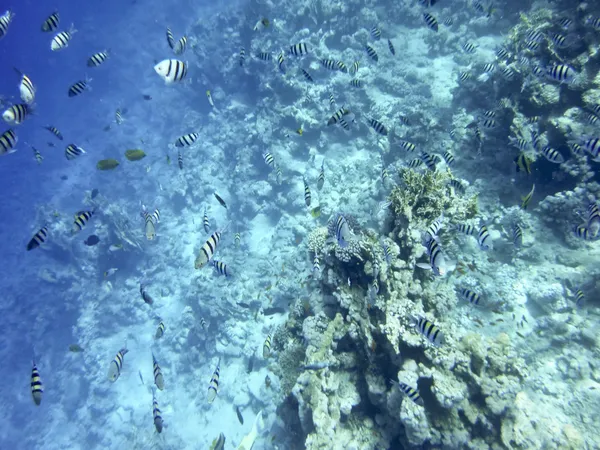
(562, 73)
(342, 231)
(208, 250)
(356, 83)
(237, 239)
(114, 371)
(54, 131)
(180, 46)
(26, 88)
(354, 68)
(429, 330)
(62, 39)
(469, 230)
(378, 127)
(51, 23)
(300, 49)
(160, 331)
(517, 235)
(264, 56)
(267, 347)
(375, 33)
(316, 264)
(470, 296)
(98, 58)
(158, 376)
(321, 179)
(180, 160)
(483, 238)
(213, 387)
(269, 159)
(206, 222)
(8, 140)
(186, 140)
(338, 115)
(72, 151)
(431, 21)
(468, 47)
(372, 53)
(552, 155)
(16, 114)
(242, 56)
(458, 187)
(37, 388)
(221, 267)
(156, 414)
(78, 88)
(81, 220)
(171, 70)
(410, 392)
(307, 76)
(37, 155)
(307, 196)
(38, 238)
(170, 38)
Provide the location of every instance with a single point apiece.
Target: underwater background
(287, 225)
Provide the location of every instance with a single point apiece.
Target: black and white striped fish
(16, 113)
(38, 238)
(98, 58)
(470, 296)
(81, 220)
(171, 70)
(156, 414)
(307, 76)
(61, 40)
(391, 47)
(208, 250)
(5, 20)
(55, 131)
(221, 267)
(26, 88)
(213, 386)
(429, 330)
(372, 53)
(431, 21)
(186, 140)
(378, 127)
(206, 222)
(114, 371)
(517, 235)
(307, 196)
(483, 238)
(180, 46)
(8, 141)
(410, 392)
(51, 23)
(73, 151)
(158, 376)
(79, 87)
(299, 49)
(37, 388)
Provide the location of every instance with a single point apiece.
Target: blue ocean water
(405, 239)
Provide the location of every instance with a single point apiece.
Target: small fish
(435, 227)
(269, 159)
(51, 23)
(458, 187)
(149, 227)
(342, 231)
(37, 388)
(525, 200)
(239, 415)
(206, 222)
(372, 53)
(26, 88)
(391, 47)
(54, 131)
(38, 238)
(321, 179)
(429, 330)
(437, 262)
(579, 298)
(119, 117)
(220, 200)
(180, 160)
(264, 56)
(375, 33)
(115, 247)
(483, 237)
(410, 392)
(62, 39)
(186, 140)
(468, 47)
(218, 443)
(338, 115)
(160, 331)
(281, 63)
(356, 83)
(98, 58)
(145, 296)
(75, 348)
(237, 239)
(307, 196)
(354, 68)
(582, 232)
(180, 45)
(431, 21)
(156, 414)
(408, 146)
(552, 155)
(202, 323)
(221, 267)
(299, 49)
(158, 376)
(79, 87)
(242, 56)
(208, 250)
(171, 70)
(316, 265)
(116, 365)
(213, 387)
(210, 99)
(110, 272)
(170, 38)
(448, 157)
(307, 76)
(81, 220)
(16, 113)
(378, 127)
(517, 234)
(523, 163)
(267, 347)
(562, 73)
(470, 296)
